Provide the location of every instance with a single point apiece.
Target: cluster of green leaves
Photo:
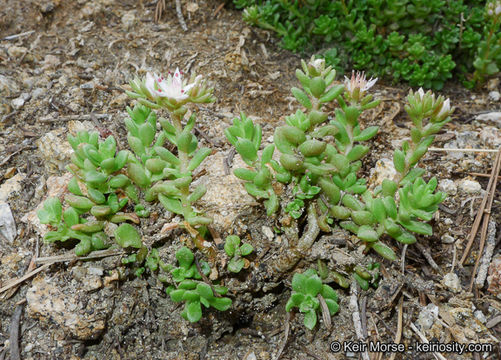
(307, 289)
(98, 188)
(157, 169)
(321, 159)
(69, 225)
(192, 291)
(105, 180)
(236, 252)
(163, 175)
(246, 138)
(424, 42)
(367, 277)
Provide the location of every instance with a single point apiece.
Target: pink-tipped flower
(358, 81)
(421, 93)
(445, 110)
(173, 87)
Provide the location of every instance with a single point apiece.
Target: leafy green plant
(367, 277)
(195, 293)
(97, 193)
(69, 225)
(163, 175)
(321, 159)
(236, 252)
(424, 42)
(488, 59)
(307, 292)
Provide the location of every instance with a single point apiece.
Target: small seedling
(236, 253)
(195, 293)
(307, 289)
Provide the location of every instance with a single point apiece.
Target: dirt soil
(74, 63)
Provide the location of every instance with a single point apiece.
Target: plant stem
(184, 160)
(184, 194)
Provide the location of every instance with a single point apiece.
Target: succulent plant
(307, 288)
(236, 252)
(195, 293)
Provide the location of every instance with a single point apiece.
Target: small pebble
(87, 86)
(447, 239)
(494, 95)
(16, 51)
(451, 281)
(479, 315)
(470, 186)
(128, 20)
(427, 316)
(447, 186)
(18, 103)
(38, 93)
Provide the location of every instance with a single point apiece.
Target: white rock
(470, 186)
(55, 151)
(18, 103)
(226, 197)
(11, 185)
(7, 223)
(492, 116)
(384, 169)
(128, 20)
(7, 85)
(38, 93)
(479, 315)
(448, 239)
(490, 136)
(427, 316)
(451, 281)
(447, 186)
(268, 232)
(494, 95)
(16, 51)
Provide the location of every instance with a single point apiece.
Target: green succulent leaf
(127, 236)
(310, 319)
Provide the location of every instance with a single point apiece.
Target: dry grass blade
(326, 316)
(286, 336)
(480, 214)
(425, 340)
(14, 333)
(159, 11)
(398, 336)
(23, 278)
(70, 256)
(487, 213)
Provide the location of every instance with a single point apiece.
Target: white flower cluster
(494, 8)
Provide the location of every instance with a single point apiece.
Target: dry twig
(286, 335)
(491, 187)
(14, 333)
(357, 322)
(398, 336)
(70, 256)
(180, 17)
(486, 258)
(425, 340)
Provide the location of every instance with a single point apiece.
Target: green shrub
(423, 42)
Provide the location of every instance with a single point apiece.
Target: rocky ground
(66, 70)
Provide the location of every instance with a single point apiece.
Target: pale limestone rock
(69, 305)
(447, 186)
(10, 186)
(470, 186)
(384, 169)
(226, 197)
